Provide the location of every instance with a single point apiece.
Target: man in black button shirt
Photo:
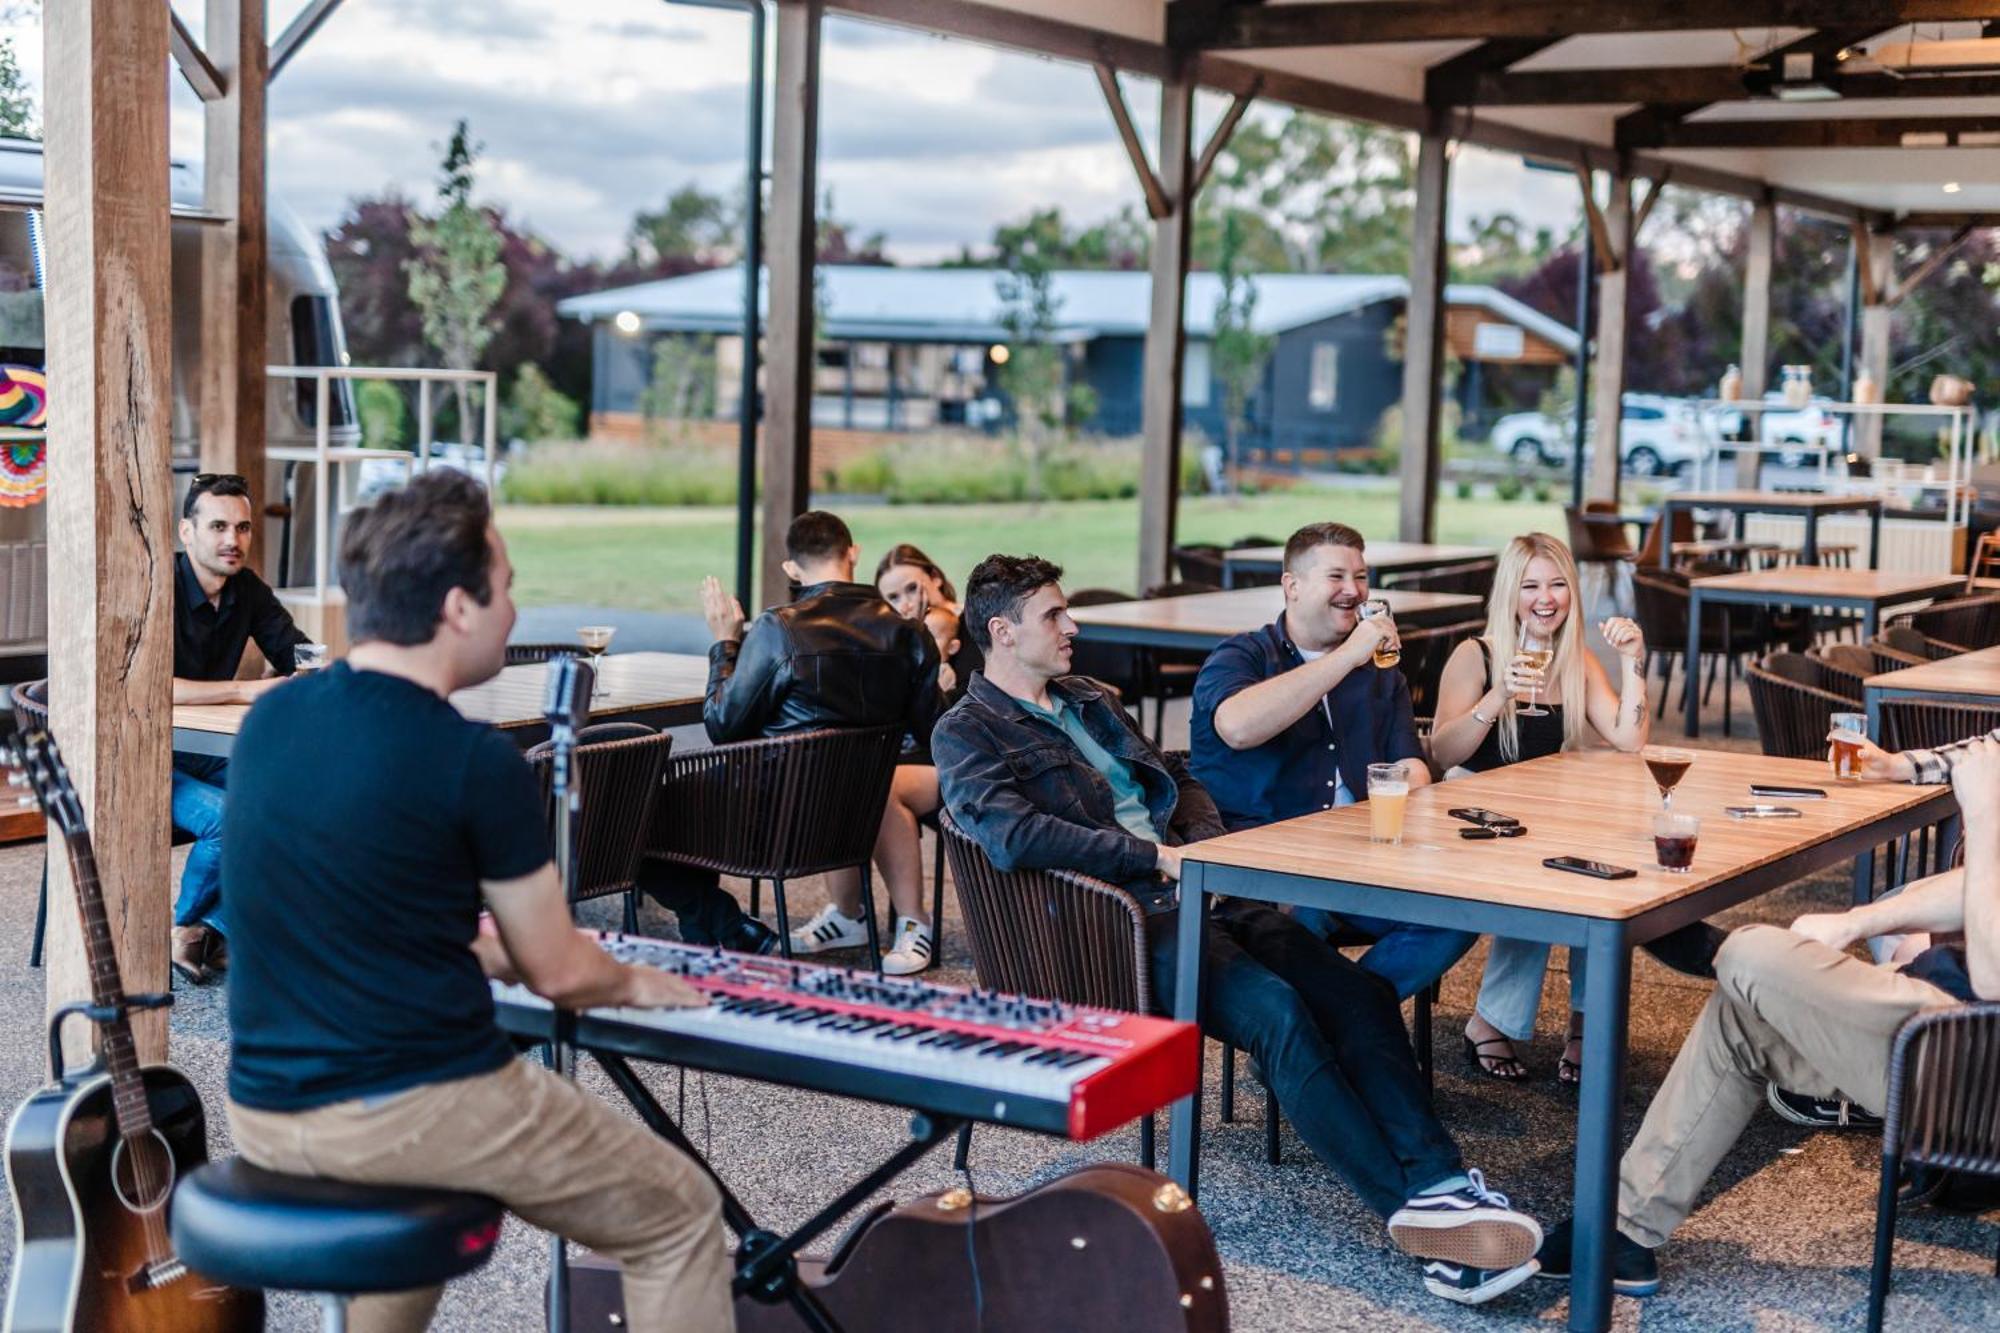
(367, 822)
(219, 606)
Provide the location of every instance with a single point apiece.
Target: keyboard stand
(766, 1267)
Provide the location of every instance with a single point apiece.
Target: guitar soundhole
(142, 1172)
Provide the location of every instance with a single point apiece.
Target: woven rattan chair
(1053, 935)
(526, 654)
(1425, 652)
(1170, 672)
(1660, 605)
(1919, 724)
(617, 771)
(1914, 642)
(780, 808)
(1474, 578)
(1944, 1083)
(1119, 665)
(1200, 563)
(1846, 667)
(1965, 622)
(1793, 717)
(1888, 657)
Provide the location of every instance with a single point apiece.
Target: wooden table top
(1968, 673)
(1823, 580)
(1596, 804)
(1770, 500)
(1223, 614)
(1381, 555)
(628, 683)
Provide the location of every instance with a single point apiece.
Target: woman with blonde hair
(1497, 707)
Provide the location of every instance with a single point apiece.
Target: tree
(457, 277)
(17, 100)
(1034, 376)
(681, 387)
(537, 410)
(1238, 351)
(693, 226)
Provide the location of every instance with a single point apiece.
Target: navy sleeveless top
(1538, 735)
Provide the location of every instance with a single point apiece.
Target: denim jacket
(1017, 785)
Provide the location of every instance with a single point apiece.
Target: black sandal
(1567, 1070)
(1507, 1068)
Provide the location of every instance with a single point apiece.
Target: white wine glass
(1536, 656)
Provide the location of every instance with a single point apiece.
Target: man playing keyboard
(366, 823)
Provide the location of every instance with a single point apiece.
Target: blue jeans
(1410, 958)
(198, 792)
(1329, 1039)
(1510, 993)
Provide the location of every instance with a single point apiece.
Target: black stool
(247, 1227)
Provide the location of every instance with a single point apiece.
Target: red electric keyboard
(1003, 1059)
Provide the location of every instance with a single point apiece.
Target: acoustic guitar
(93, 1157)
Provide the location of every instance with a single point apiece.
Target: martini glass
(1668, 766)
(595, 639)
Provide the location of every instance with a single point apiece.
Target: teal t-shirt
(1130, 797)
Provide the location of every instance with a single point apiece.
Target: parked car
(1659, 436)
(1811, 428)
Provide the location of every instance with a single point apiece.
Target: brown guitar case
(1111, 1246)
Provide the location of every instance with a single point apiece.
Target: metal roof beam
(192, 61)
(298, 32)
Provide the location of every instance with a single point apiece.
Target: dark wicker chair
(617, 771)
(780, 808)
(1425, 651)
(1918, 724)
(1598, 540)
(1660, 603)
(1054, 935)
(1199, 563)
(1119, 665)
(1170, 672)
(526, 654)
(1888, 657)
(1793, 715)
(1474, 578)
(1910, 640)
(1944, 1081)
(1966, 622)
(1843, 668)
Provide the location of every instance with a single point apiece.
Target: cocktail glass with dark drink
(1674, 838)
(1668, 766)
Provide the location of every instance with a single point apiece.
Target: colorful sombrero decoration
(24, 467)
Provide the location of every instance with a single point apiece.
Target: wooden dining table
(1810, 505)
(1968, 678)
(1204, 620)
(1868, 591)
(1598, 805)
(1383, 558)
(656, 689)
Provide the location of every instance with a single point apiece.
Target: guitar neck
(107, 992)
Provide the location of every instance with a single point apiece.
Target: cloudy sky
(592, 109)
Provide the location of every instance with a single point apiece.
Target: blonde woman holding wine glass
(1528, 687)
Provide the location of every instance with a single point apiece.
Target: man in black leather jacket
(1045, 771)
(839, 656)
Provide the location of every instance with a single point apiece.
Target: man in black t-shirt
(219, 606)
(367, 820)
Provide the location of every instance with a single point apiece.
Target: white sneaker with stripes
(829, 929)
(911, 951)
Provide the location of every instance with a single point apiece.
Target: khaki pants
(1785, 1009)
(555, 1155)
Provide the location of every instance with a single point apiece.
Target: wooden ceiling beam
(1870, 132)
(1704, 83)
(1157, 204)
(1209, 26)
(1484, 59)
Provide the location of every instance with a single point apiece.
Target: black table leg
(1184, 1134)
(1606, 1001)
(1875, 537)
(1810, 555)
(1692, 662)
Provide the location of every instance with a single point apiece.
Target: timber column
(111, 542)
(1166, 334)
(1424, 343)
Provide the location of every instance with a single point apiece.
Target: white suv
(1659, 436)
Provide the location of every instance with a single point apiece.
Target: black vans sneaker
(1635, 1270)
(1471, 1225)
(1821, 1112)
(1473, 1286)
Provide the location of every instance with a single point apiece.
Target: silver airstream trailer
(303, 330)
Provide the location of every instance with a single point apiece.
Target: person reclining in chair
(1045, 771)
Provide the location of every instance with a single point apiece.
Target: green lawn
(654, 559)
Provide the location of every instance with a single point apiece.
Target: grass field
(654, 559)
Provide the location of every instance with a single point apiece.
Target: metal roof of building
(966, 304)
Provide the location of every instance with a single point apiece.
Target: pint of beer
(1388, 793)
(1387, 654)
(1845, 754)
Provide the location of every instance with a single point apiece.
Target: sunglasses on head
(204, 482)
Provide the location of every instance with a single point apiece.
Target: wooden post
(234, 262)
(1424, 343)
(1755, 361)
(1608, 383)
(111, 541)
(1878, 272)
(794, 233)
(1166, 332)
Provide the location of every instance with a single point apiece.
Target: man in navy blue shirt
(1288, 718)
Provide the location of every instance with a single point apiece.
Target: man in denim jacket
(1045, 771)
